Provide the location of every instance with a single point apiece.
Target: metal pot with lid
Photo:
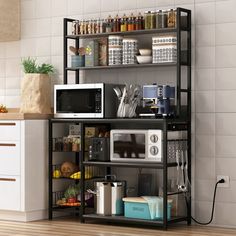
(109, 193)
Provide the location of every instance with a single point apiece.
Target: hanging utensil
(121, 106)
(177, 156)
(182, 187)
(187, 182)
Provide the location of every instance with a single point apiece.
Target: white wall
(214, 85)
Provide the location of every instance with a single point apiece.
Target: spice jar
(131, 22)
(147, 17)
(75, 27)
(153, 20)
(116, 24)
(89, 26)
(161, 19)
(171, 19)
(150, 20)
(124, 24)
(109, 22)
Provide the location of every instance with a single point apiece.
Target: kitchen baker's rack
(181, 122)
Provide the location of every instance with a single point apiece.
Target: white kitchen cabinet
(10, 193)
(23, 169)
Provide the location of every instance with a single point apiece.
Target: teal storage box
(137, 207)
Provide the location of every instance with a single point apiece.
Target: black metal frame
(180, 122)
(164, 124)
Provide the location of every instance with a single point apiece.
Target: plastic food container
(137, 207)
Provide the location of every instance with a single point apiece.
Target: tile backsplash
(214, 86)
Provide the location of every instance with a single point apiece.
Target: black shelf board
(134, 32)
(67, 151)
(120, 120)
(152, 165)
(175, 193)
(122, 66)
(122, 219)
(65, 208)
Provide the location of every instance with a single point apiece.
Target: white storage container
(130, 50)
(115, 50)
(164, 49)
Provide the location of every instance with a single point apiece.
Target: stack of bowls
(145, 56)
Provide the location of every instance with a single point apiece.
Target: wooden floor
(73, 227)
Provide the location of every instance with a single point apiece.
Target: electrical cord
(213, 205)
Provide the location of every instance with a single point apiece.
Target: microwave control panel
(154, 145)
(98, 102)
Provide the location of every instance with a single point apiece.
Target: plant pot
(72, 200)
(77, 60)
(36, 94)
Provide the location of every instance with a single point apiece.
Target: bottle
(116, 24)
(89, 27)
(124, 24)
(81, 27)
(139, 22)
(131, 22)
(97, 30)
(109, 24)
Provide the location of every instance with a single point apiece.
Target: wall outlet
(226, 183)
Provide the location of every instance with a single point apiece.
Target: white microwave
(136, 145)
(95, 100)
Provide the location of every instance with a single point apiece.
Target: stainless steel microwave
(96, 100)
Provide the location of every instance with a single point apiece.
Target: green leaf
(30, 66)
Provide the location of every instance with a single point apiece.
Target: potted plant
(71, 193)
(36, 87)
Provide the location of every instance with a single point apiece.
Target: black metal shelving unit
(181, 122)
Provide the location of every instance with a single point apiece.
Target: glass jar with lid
(153, 20)
(171, 18)
(147, 19)
(150, 19)
(161, 19)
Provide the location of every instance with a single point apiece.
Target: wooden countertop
(13, 114)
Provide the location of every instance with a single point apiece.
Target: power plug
(223, 181)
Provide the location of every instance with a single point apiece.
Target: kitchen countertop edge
(14, 114)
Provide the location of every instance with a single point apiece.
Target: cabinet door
(10, 193)
(9, 158)
(9, 130)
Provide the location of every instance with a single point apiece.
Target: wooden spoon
(74, 50)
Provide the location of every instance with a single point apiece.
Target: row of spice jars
(160, 19)
(116, 24)
(66, 144)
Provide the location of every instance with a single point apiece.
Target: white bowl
(144, 59)
(145, 52)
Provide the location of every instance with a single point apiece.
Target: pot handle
(113, 177)
(91, 191)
